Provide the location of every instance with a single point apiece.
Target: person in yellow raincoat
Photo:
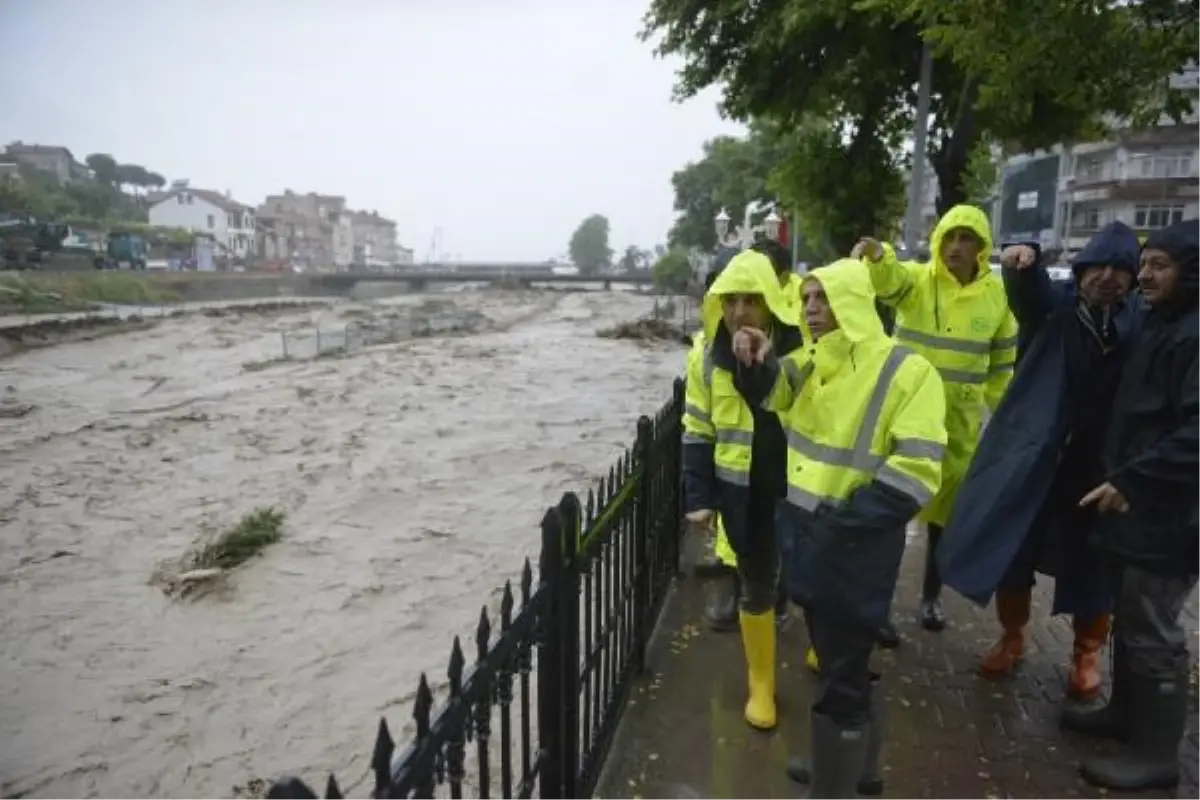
(721, 609)
(953, 311)
(865, 423)
(734, 454)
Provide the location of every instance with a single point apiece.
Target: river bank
(412, 476)
(25, 332)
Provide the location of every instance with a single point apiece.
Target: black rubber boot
(1110, 720)
(870, 783)
(932, 617)
(887, 636)
(1158, 714)
(838, 757)
(721, 613)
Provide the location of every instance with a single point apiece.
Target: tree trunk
(952, 160)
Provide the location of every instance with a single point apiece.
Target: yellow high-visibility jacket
(865, 422)
(722, 549)
(719, 425)
(966, 331)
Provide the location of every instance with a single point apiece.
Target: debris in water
(259, 528)
(646, 329)
(203, 570)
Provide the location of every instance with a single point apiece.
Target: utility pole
(916, 185)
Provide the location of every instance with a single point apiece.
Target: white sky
(502, 122)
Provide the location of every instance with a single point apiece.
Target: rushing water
(412, 475)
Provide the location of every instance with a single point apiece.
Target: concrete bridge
(419, 277)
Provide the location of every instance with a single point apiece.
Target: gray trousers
(1146, 622)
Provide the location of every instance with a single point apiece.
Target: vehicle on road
(125, 250)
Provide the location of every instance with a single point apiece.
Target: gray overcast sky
(503, 122)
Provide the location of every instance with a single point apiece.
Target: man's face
(817, 311)
(960, 250)
(1159, 277)
(744, 311)
(1102, 285)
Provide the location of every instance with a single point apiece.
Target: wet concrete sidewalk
(951, 733)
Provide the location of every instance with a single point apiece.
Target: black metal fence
(556, 677)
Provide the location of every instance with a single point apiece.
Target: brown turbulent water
(412, 475)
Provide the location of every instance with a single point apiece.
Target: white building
(230, 223)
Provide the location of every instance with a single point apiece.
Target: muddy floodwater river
(412, 475)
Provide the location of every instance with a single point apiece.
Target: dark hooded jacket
(1150, 453)
(1041, 450)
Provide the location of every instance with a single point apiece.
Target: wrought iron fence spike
(332, 790)
(506, 604)
(454, 671)
(526, 583)
(483, 634)
(381, 759)
(290, 787)
(590, 517)
(422, 705)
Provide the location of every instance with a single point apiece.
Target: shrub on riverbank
(73, 291)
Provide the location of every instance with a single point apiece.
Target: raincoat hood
(1115, 245)
(847, 285)
(974, 220)
(748, 272)
(1179, 241)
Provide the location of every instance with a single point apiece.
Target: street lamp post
(742, 237)
(722, 226)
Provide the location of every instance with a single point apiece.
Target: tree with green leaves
(1023, 73)
(589, 247)
(672, 272)
(634, 259)
(104, 167)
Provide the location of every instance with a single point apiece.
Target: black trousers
(757, 552)
(1146, 622)
(931, 586)
(844, 684)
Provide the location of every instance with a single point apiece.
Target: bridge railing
(535, 713)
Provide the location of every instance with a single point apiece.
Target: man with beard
(1148, 525)
(1017, 511)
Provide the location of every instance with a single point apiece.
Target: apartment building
(1146, 178)
(374, 239)
(318, 228)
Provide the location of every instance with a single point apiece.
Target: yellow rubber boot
(810, 660)
(758, 640)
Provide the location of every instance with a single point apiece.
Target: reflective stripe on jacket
(966, 331)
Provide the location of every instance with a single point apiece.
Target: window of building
(1156, 216)
(212, 222)
(1160, 165)
(1091, 169)
(179, 197)
(1087, 219)
(189, 199)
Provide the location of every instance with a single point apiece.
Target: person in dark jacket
(1148, 526)
(1018, 511)
(721, 610)
(735, 454)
